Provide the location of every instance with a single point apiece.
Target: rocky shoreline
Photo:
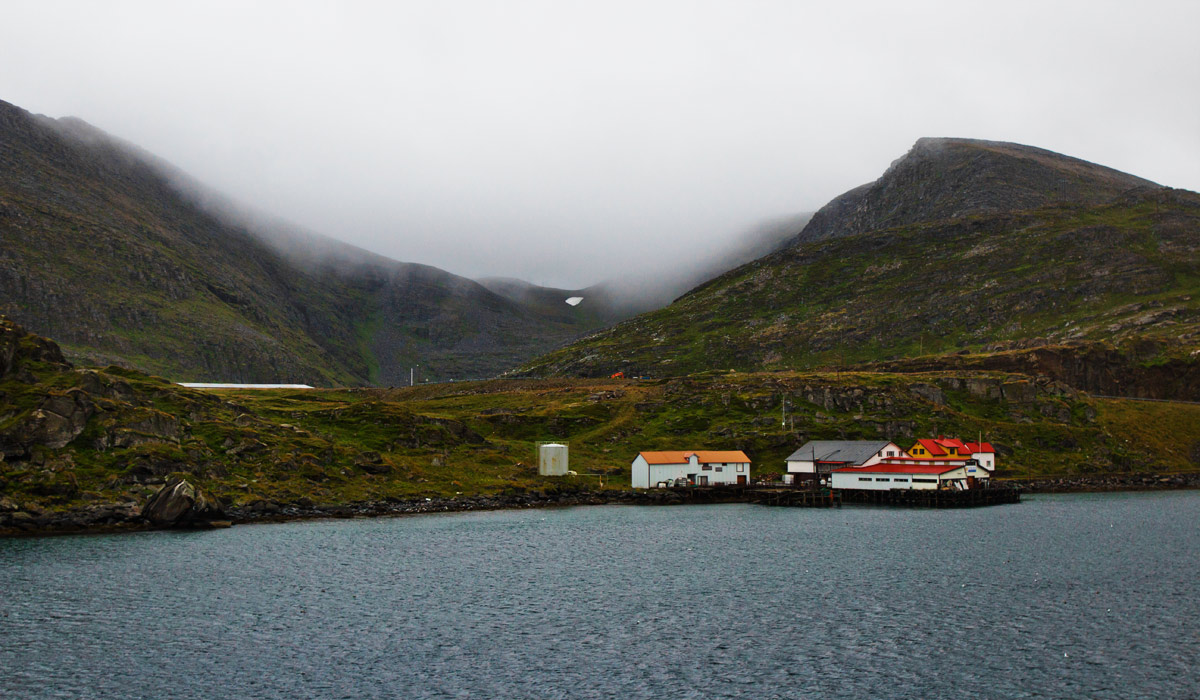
(30, 520)
(1107, 482)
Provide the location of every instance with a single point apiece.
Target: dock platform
(918, 498)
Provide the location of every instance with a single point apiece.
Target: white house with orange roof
(696, 467)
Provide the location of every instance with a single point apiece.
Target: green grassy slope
(1125, 274)
(473, 438)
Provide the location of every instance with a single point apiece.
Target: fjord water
(1073, 596)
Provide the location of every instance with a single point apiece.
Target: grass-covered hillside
(124, 260)
(1121, 280)
(74, 438)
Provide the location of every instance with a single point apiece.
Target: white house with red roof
(903, 473)
(940, 447)
(984, 454)
(943, 448)
(694, 467)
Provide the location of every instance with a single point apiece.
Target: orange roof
(704, 456)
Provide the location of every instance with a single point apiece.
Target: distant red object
(617, 375)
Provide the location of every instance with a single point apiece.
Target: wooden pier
(920, 498)
(795, 498)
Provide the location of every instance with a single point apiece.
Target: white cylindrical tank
(552, 459)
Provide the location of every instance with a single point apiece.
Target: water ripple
(1092, 596)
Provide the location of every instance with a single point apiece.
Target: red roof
(980, 447)
(885, 468)
(943, 446)
(703, 456)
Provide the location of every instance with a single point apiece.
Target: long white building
(905, 474)
(696, 467)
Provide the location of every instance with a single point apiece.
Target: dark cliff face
(943, 179)
(125, 260)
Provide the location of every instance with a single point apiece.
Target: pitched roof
(703, 456)
(885, 468)
(980, 447)
(941, 446)
(849, 451)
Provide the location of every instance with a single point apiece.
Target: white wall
(644, 476)
(727, 474)
(805, 466)
(883, 454)
(987, 460)
(849, 480)
(639, 473)
(854, 480)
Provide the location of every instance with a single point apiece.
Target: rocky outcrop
(180, 504)
(1097, 368)
(372, 462)
(31, 519)
(147, 427)
(58, 420)
(18, 349)
(105, 386)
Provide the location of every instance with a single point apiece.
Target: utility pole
(412, 375)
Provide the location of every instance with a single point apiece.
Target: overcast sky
(566, 142)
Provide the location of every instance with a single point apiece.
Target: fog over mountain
(572, 144)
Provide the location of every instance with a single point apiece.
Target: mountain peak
(948, 178)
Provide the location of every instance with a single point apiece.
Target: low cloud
(569, 144)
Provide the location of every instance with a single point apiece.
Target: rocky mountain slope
(88, 448)
(962, 252)
(124, 260)
(943, 179)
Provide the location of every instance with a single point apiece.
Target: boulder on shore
(180, 504)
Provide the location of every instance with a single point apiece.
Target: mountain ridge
(949, 178)
(127, 260)
(1103, 266)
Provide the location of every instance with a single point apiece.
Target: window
(891, 453)
(882, 478)
(901, 481)
(924, 481)
(720, 469)
(864, 478)
(707, 467)
(741, 468)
